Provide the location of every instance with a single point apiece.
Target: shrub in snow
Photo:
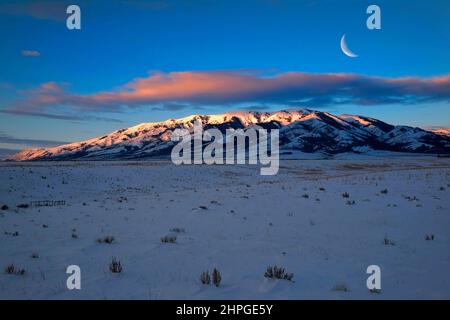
(388, 242)
(11, 269)
(384, 191)
(346, 195)
(216, 277)
(414, 198)
(340, 287)
(169, 239)
(13, 234)
(107, 239)
(429, 237)
(205, 278)
(278, 273)
(115, 266)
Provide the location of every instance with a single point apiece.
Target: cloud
(5, 138)
(255, 108)
(55, 10)
(170, 107)
(10, 145)
(174, 90)
(30, 53)
(60, 116)
(46, 95)
(43, 10)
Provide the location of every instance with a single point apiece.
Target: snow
(405, 135)
(353, 118)
(250, 222)
(367, 123)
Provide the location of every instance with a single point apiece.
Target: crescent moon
(345, 49)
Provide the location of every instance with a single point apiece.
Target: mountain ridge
(301, 129)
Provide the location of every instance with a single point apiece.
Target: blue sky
(135, 46)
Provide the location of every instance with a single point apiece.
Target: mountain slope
(303, 129)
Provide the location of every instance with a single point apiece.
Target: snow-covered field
(232, 219)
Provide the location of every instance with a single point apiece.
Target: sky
(144, 61)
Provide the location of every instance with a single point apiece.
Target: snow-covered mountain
(303, 130)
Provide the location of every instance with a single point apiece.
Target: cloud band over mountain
(225, 87)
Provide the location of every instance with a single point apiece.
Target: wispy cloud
(148, 4)
(55, 10)
(30, 53)
(172, 91)
(5, 138)
(44, 10)
(10, 145)
(59, 116)
(47, 97)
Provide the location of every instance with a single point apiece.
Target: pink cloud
(223, 87)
